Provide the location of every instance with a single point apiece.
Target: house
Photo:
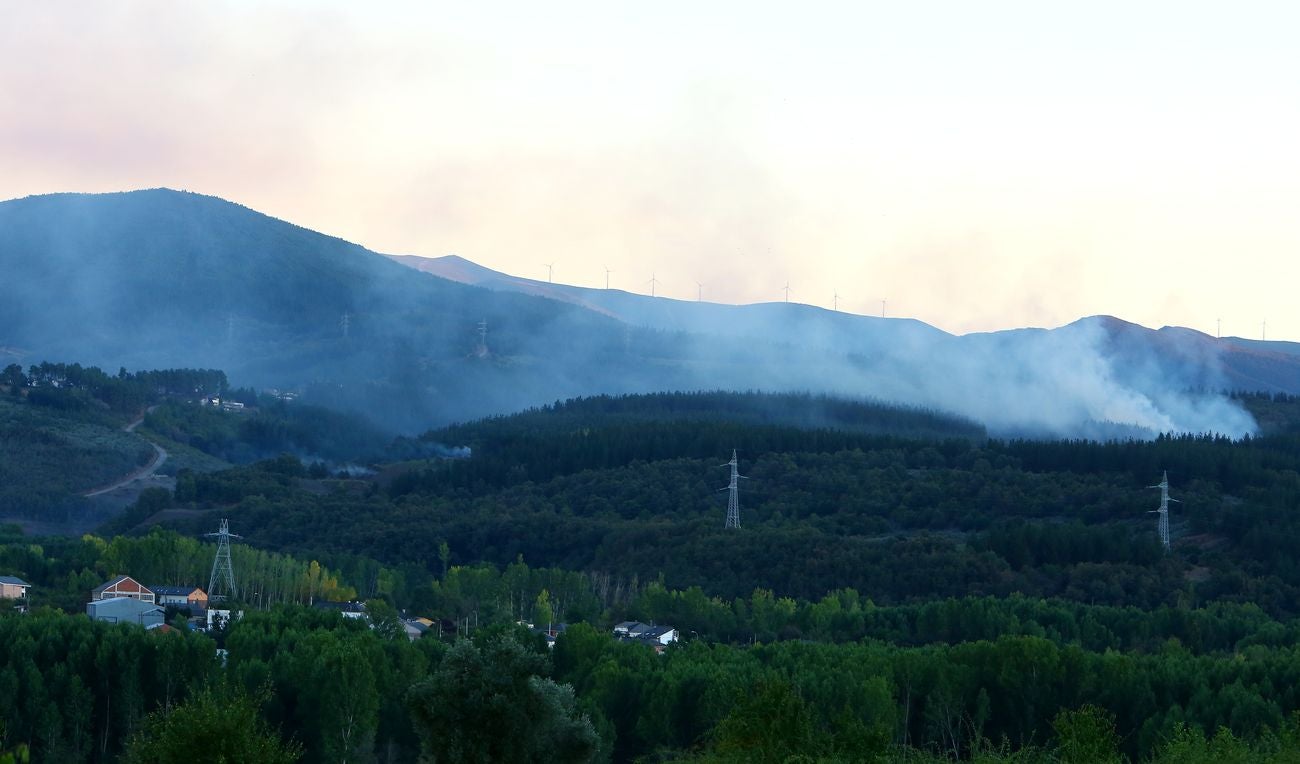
(664, 635)
(658, 637)
(124, 586)
(348, 609)
(217, 618)
(629, 628)
(548, 632)
(125, 610)
(191, 597)
(12, 588)
(416, 628)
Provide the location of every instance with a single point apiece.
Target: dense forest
(311, 683)
(902, 588)
(824, 507)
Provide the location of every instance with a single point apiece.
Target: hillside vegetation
(594, 485)
(902, 589)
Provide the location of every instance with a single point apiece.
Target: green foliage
(274, 427)
(215, 726)
(495, 703)
(47, 456)
(771, 724)
(60, 430)
(1086, 736)
(71, 688)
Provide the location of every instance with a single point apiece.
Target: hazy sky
(981, 165)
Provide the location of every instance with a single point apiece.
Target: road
(160, 456)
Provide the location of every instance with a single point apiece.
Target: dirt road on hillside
(159, 457)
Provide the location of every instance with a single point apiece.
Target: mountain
(162, 278)
(780, 322)
(1118, 371)
(1229, 363)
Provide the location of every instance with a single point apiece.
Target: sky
(977, 166)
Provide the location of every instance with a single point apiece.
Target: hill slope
(161, 278)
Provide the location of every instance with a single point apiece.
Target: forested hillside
(902, 588)
(595, 485)
(61, 430)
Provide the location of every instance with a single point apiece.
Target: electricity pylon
(733, 495)
(1162, 524)
(222, 570)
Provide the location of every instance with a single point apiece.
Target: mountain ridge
(161, 278)
(1247, 364)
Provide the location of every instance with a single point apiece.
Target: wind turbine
(699, 292)
(550, 271)
(882, 307)
(653, 282)
(835, 303)
(787, 291)
(607, 272)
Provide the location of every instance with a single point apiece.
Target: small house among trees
(124, 586)
(658, 637)
(191, 597)
(13, 588)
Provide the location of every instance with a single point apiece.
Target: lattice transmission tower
(223, 573)
(1162, 524)
(733, 495)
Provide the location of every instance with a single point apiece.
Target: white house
(635, 631)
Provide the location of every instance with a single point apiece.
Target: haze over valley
(161, 279)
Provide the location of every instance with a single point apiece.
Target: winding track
(160, 456)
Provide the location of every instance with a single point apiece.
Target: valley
(946, 549)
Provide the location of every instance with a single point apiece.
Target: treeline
(64, 570)
(312, 684)
(881, 521)
(607, 432)
(324, 687)
(311, 432)
(73, 386)
(879, 702)
(800, 410)
(903, 520)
